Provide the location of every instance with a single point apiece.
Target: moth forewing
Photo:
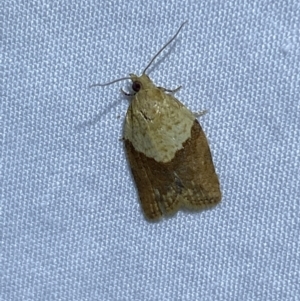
(168, 153)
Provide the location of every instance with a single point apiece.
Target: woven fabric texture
(71, 223)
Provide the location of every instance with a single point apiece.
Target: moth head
(141, 82)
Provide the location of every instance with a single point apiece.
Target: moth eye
(136, 86)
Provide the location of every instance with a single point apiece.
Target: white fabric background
(71, 221)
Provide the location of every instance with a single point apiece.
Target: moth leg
(200, 113)
(126, 93)
(169, 90)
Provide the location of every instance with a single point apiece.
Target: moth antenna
(166, 45)
(109, 83)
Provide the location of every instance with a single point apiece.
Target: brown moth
(167, 150)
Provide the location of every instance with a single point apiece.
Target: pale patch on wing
(157, 124)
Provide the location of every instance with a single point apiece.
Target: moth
(167, 150)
